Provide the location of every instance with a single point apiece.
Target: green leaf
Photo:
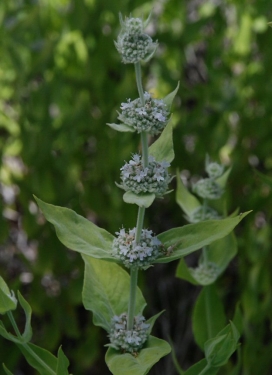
(208, 315)
(124, 364)
(27, 335)
(142, 200)
(222, 180)
(270, 24)
(106, 291)
(62, 364)
(162, 149)
(238, 319)
(187, 201)
(219, 252)
(168, 100)
(7, 335)
(175, 360)
(7, 370)
(8, 300)
(152, 320)
(39, 358)
(122, 127)
(219, 349)
(78, 233)
(185, 240)
(198, 368)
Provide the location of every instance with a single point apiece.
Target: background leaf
(163, 149)
(43, 361)
(208, 315)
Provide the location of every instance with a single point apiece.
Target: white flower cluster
(138, 255)
(214, 170)
(132, 43)
(128, 340)
(205, 274)
(139, 179)
(151, 118)
(199, 214)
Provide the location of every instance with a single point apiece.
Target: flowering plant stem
(141, 210)
(27, 347)
(204, 250)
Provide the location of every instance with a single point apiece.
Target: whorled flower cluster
(151, 118)
(214, 170)
(138, 255)
(132, 43)
(201, 214)
(139, 179)
(130, 341)
(205, 274)
(208, 188)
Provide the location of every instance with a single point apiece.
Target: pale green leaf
(124, 364)
(40, 359)
(208, 315)
(62, 364)
(122, 127)
(168, 100)
(106, 291)
(8, 300)
(222, 180)
(185, 240)
(78, 233)
(184, 273)
(187, 201)
(162, 149)
(142, 200)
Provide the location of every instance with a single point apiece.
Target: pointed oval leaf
(142, 200)
(185, 240)
(162, 149)
(7, 335)
(78, 233)
(202, 368)
(208, 315)
(187, 201)
(62, 364)
(222, 180)
(124, 364)
(168, 100)
(106, 291)
(122, 128)
(8, 300)
(40, 359)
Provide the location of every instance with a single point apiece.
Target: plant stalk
(204, 250)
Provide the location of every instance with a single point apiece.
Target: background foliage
(61, 81)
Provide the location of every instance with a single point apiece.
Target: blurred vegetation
(61, 81)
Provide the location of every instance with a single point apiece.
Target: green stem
(140, 223)
(27, 347)
(132, 297)
(204, 371)
(139, 82)
(205, 250)
(208, 307)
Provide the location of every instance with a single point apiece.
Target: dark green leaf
(27, 335)
(62, 364)
(7, 370)
(198, 368)
(39, 358)
(208, 315)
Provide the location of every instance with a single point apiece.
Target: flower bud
(128, 340)
(205, 274)
(132, 43)
(139, 179)
(201, 214)
(214, 170)
(151, 118)
(133, 254)
(207, 188)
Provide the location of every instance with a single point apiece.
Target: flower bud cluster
(209, 188)
(133, 254)
(128, 340)
(201, 214)
(205, 274)
(139, 179)
(214, 170)
(151, 118)
(132, 43)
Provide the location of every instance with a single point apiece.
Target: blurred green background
(61, 81)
